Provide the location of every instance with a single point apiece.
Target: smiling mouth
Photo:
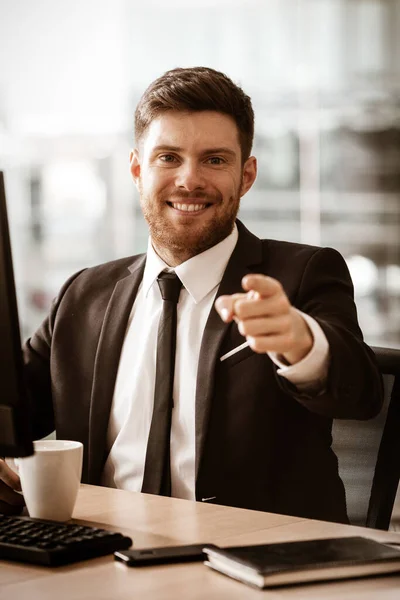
(192, 208)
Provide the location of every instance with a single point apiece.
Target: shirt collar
(200, 274)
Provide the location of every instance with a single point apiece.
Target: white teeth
(189, 207)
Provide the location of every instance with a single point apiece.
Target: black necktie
(157, 470)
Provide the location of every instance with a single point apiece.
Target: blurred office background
(324, 76)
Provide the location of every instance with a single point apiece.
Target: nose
(190, 177)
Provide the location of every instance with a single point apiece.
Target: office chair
(369, 452)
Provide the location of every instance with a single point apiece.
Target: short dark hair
(197, 89)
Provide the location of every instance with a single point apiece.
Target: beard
(186, 242)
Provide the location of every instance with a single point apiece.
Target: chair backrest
(369, 452)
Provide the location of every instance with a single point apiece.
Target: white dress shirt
(132, 404)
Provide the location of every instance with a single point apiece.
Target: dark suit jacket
(260, 443)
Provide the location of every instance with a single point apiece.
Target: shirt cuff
(310, 373)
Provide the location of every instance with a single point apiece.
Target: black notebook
(270, 565)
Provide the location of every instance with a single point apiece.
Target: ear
(134, 162)
(249, 175)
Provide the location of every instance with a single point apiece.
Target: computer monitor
(15, 429)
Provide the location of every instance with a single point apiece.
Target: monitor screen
(15, 430)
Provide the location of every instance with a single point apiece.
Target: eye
(167, 158)
(215, 160)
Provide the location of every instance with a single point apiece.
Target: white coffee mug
(50, 478)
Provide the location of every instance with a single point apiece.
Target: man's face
(190, 177)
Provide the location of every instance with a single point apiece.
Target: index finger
(225, 306)
(9, 476)
(264, 285)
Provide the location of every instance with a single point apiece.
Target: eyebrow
(209, 151)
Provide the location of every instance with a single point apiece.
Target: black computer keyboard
(52, 544)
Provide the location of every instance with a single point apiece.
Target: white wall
(61, 65)
(79, 66)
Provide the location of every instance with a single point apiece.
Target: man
(259, 373)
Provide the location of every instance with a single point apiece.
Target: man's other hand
(11, 503)
(266, 318)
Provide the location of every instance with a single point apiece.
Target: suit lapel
(106, 364)
(247, 253)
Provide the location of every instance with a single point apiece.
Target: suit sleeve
(37, 369)
(354, 387)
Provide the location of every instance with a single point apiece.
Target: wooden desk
(151, 521)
